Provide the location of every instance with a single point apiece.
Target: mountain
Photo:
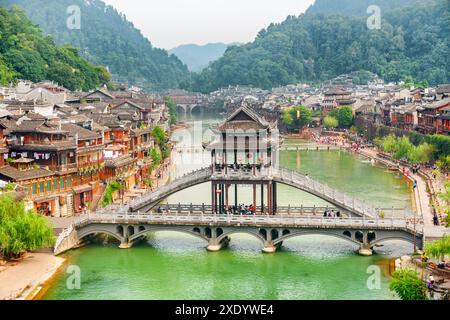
(106, 37)
(356, 7)
(197, 57)
(412, 41)
(26, 54)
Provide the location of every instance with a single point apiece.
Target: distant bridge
(216, 230)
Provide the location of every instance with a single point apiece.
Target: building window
(41, 187)
(34, 188)
(68, 182)
(49, 185)
(61, 183)
(55, 184)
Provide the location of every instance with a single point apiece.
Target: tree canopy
(26, 54)
(297, 117)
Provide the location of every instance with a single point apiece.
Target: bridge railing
(63, 236)
(256, 220)
(306, 183)
(357, 205)
(187, 178)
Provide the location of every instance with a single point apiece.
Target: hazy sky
(169, 23)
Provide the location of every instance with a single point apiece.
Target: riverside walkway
(421, 196)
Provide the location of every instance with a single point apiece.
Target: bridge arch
(295, 234)
(410, 240)
(82, 235)
(165, 228)
(251, 233)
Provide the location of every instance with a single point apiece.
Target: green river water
(176, 266)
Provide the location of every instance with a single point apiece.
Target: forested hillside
(106, 37)
(356, 7)
(26, 54)
(411, 41)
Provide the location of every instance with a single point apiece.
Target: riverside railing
(256, 220)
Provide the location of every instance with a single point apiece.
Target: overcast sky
(169, 23)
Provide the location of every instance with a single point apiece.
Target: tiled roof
(18, 175)
(83, 134)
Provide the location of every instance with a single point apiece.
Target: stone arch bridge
(216, 230)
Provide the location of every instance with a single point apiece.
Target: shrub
(407, 285)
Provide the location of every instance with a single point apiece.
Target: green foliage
(441, 144)
(159, 136)
(443, 163)
(445, 197)
(344, 116)
(330, 122)
(25, 53)
(155, 154)
(171, 104)
(402, 148)
(10, 186)
(317, 47)
(21, 230)
(438, 249)
(407, 285)
(112, 187)
(107, 38)
(297, 117)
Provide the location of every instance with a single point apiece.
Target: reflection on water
(176, 266)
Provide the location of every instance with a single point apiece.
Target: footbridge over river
(216, 230)
(293, 179)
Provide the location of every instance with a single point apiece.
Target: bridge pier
(365, 250)
(215, 245)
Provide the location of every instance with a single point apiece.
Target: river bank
(24, 279)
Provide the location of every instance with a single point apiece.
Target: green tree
(407, 285)
(297, 117)
(344, 116)
(21, 230)
(159, 136)
(155, 154)
(112, 188)
(171, 104)
(330, 122)
(438, 249)
(445, 197)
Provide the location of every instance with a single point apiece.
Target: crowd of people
(332, 214)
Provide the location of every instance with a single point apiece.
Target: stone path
(18, 280)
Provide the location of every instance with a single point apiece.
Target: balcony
(65, 168)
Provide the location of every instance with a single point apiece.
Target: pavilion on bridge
(244, 152)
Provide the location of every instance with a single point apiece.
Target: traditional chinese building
(244, 153)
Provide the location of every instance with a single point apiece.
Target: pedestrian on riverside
(415, 184)
(435, 220)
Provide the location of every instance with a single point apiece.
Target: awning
(82, 188)
(43, 200)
